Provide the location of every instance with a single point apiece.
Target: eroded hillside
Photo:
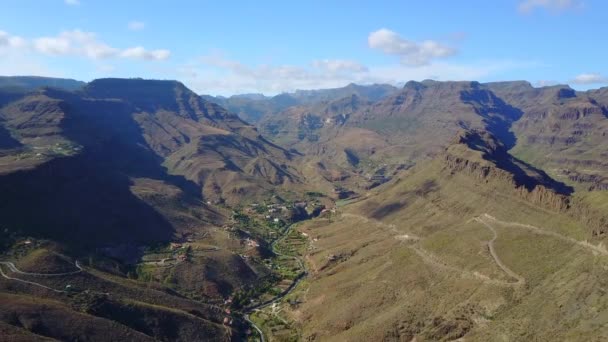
(471, 244)
(123, 200)
(135, 209)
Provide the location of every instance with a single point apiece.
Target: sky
(231, 47)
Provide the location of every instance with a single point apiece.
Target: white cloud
(545, 83)
(266, 72)
(79, 43)
(16, 60)
(4, 37)
(411, 53)
(72, 2)
(217, 74)
(136, 25)
(9, 41)
(528, 6)
(75, 42)
(141, 53)
(222, 75)
(443, 71)
(339, 65)
(591, 78)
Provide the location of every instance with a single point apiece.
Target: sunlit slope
(457, 247)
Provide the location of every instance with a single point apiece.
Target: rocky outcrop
(540, 195)
(595, 182)
(537, 194)
(594, 220)
(479, 155)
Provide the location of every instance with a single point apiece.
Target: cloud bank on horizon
(387, 56)
(77, 43)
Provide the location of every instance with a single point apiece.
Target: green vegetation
(466, 211)
(314, 194)
(275, 326)
(242, 298)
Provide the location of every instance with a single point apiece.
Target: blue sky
(228, 47)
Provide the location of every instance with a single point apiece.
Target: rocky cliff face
(480, 155)
(560, 130)
(595, 182)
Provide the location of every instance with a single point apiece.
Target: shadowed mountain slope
(562, 131)
(109, 173)
(73, 158)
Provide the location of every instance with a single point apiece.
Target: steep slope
(97, 306)
(376, 139)
(202, 141)
(74, 166)
(112, 174)
(553, 128)
(471, 244)
(59, 148)
(600, 95)
(562, 131)
(301, 125)
(330, 148)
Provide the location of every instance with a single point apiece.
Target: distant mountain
(393, 132)
(115, 138)
(372, 92)
(561, 130)
(35, 82)
(250, 96)
(555, 128)
(446, 211)
(103, 175)
(253, 107)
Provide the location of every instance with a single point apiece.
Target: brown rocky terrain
(448, 210)
(109, 172)
(466, 245)
(561, 130)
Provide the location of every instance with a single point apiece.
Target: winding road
(11, 266)
(14, 269)
(291, 287)
(486, 220)
(435, 262)
(520, 280)
(584, 244)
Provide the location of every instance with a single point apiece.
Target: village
(267, 242)
(270, 226)
(261, 223)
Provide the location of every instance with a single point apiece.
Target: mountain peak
(414, 85)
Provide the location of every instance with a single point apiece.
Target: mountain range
(432, 211)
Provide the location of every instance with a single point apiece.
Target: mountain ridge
(444, 210)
